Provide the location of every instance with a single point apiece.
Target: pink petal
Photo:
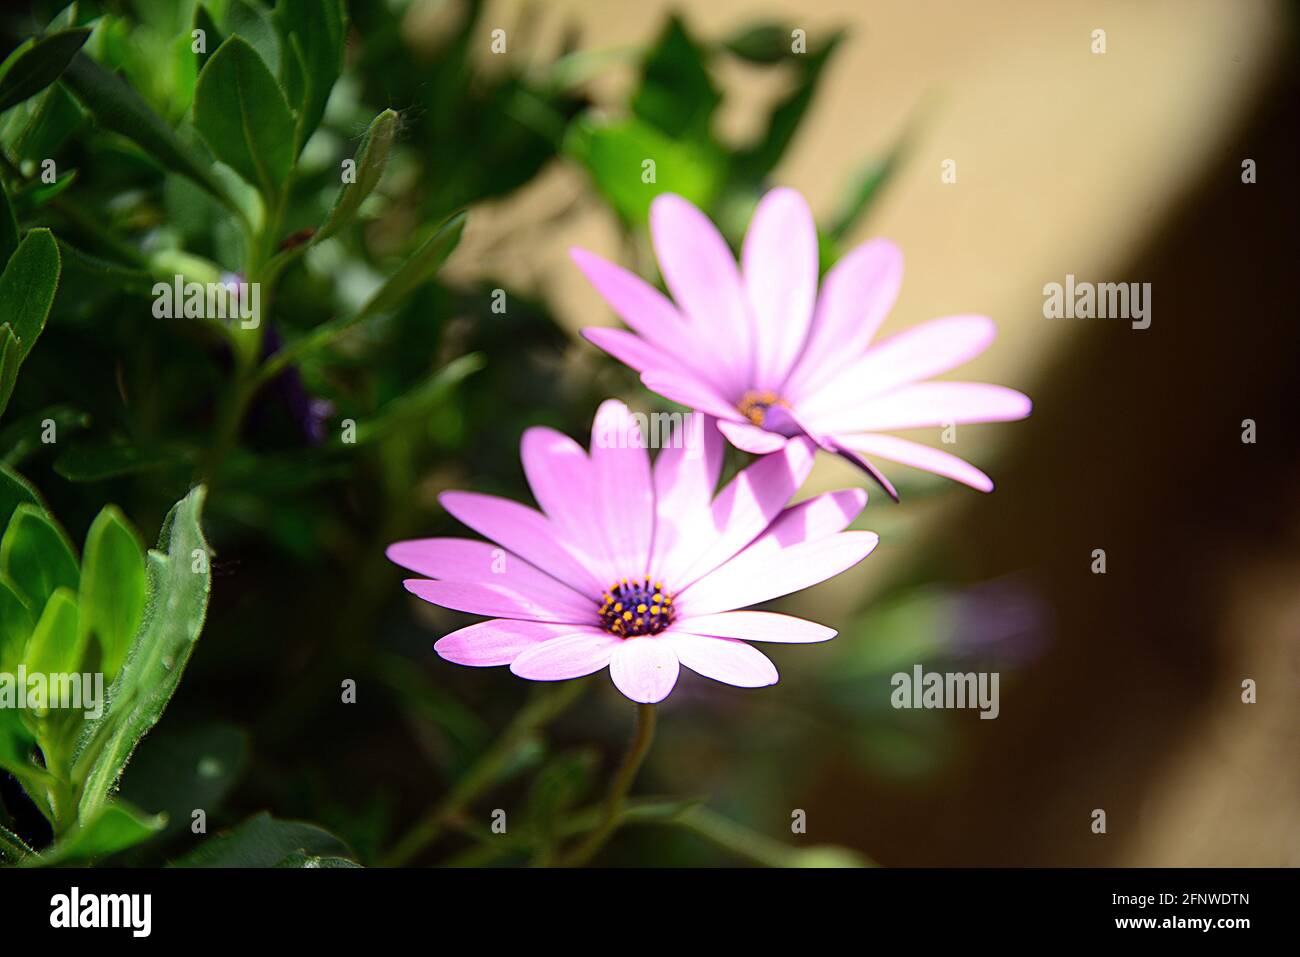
(859, 460)
(724, 659)
(929, 349)
(931, 404)
(497, 601)
(752, 578)
(921, 457)
(818, 517)
(745, 508)
(569, 656)
(751, 438)
(689, 391)
(701, 274)
(644, 669)
(856, 296)
(685, 477)
(755, 626)
(464, 560)
(629, 349)
(525, 532)
(780, 274)
(624, 495)
(496, 642)
(562, 479)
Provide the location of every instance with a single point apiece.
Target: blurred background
(1119, 691)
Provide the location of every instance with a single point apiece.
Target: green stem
(485, 771)
(618, 788)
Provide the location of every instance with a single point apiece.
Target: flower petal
(644, 669)
(743, 510)
(919, 456)
(525, 532)
(926, 404)
(496, 642)
(465, 560)
(752, 578)
(630, 349)
(569, 656)
(724, 659)
(701, 274)
(856, 296)
(927, 350)
(497, 601)
(751, 438)
(624, 494)
(755, 626)
(685, 477)
(684, 388)
(780, 274)
(563, 482)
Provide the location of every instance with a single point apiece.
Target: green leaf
(677, 95)
(558, 787)
(27, 288)
(117, 107)
(53, 647)
(112, 588)
(264, 841)
(177, 771)
(315, 32)
(179, 579)
(10, 352)
(414, 407)
(14, 490)
(251, 21)
(94, 463)
(16, 624)
(8, 228)
(36, 193)
(55, 117)
(242, 116)
(36, 64)
(36, 557)
(212, 35)
(371, 158)
(12, 847)
(764, 44)
(419, 268)
(615, 155)
(114, 827)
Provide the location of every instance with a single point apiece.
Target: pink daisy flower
(773, 357)
(635, 567)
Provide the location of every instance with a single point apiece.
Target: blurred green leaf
(264, 841)
(36, 193)
(179, 579)
(176, 772)
(676, 95)
(243, 117)
(36, 556)
(414, 407)
(36, 64)
(93, 463)
(371, 159)
(27, 288)
(16, 624)
(617, 156)
(557, 787)
(8, 227)
(12, 848)
(55, 117)
(14, 491)
(117, 107)
(763, 43)
(212, 35)
(419, 268)
(113, 588)
(315, 31)
(252, 21)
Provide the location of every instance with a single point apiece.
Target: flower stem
(485, 771)
(612, 816)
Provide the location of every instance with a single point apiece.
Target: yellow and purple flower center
(753, 405)
(637, 607)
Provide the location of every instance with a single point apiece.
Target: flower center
(754, 405)
(637, 607)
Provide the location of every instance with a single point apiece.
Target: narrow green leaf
(242, 116)
(113, 828)
(419, 269)
(12, 847)
(27, 287)
(371, 159)
(10, 351)
(179, 579)
(53, 647)
(16, 624)
(94, 463)
(14, 491)
(36, 557)
(414, 407)
(264, 841)
(36, 64)
(117, 107)
(112, 588)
